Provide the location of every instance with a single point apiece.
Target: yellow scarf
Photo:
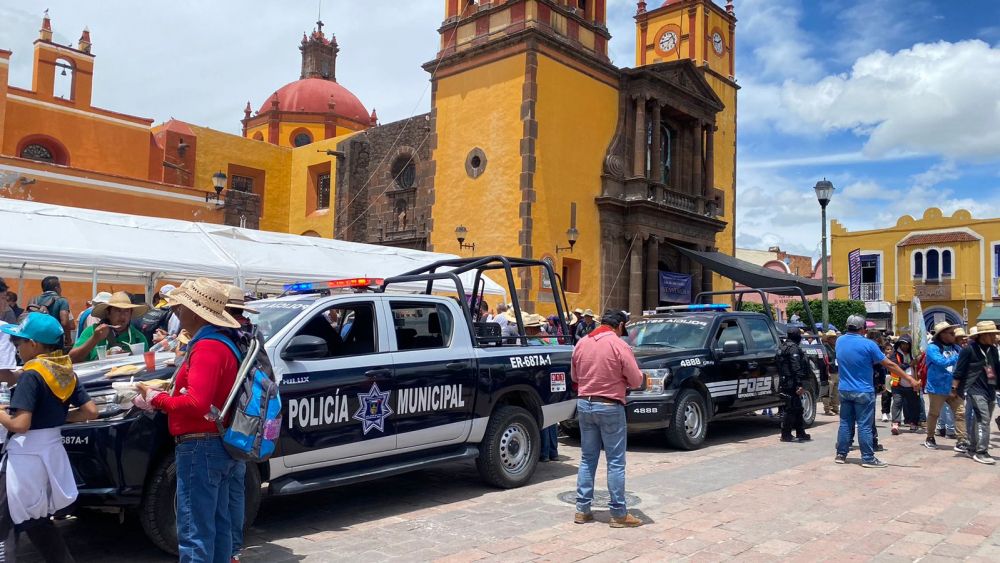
(57, 371)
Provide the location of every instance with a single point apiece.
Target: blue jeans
(205, 483)
(946, 421)
(602, 427)
(856, 408)
(237, 505)
(550, 442)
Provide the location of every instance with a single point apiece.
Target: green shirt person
(114, 330)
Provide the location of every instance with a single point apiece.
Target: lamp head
(461, 233)
(573, 235)
(824, 191)
(219, 181)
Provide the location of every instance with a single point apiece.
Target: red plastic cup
(150, 358)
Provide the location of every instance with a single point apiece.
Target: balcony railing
(996, 288)
(871, 292)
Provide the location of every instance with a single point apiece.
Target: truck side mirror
(732, 348)
(305, 347)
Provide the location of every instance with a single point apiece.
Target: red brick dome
(313, 95)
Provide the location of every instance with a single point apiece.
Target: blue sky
(895, 101)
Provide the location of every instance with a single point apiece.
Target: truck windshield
(681, 332)
(272, 316)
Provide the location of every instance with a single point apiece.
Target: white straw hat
(206, 298)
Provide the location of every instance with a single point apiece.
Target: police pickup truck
(703, 362)
(372, 384)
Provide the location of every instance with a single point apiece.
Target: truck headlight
(106, 403)
(656, 381)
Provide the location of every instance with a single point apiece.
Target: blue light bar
(695, 307)
(355, 283)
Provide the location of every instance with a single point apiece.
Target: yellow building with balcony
(951, 264)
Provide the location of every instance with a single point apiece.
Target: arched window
(62, 86)
(946, 265)
(918, 265)
(933, 265)
(35, 151)
(666, 145)
(258, 136)
(301, 138)
(404, 172)
(43, 148)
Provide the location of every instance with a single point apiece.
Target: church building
(535, 146)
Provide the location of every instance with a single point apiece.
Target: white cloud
(939, 98)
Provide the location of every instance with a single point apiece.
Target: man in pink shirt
(604, 369)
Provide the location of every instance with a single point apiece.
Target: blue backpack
(253, 406)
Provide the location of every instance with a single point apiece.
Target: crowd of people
(949, 391)
(37, 355)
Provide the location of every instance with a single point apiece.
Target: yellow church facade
(950, 262)
(535, 146)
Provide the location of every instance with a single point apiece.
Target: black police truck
(704, 362)
(373, 383)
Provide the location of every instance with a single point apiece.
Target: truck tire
(158, 511)
(509, 451)
(809, 398)
(690, 422)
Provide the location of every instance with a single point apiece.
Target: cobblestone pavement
(745, 496)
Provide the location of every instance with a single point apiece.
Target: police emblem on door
(373, 409)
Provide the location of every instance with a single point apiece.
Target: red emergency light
(335, 284)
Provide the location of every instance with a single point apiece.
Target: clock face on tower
(668, 42)
(718, 44)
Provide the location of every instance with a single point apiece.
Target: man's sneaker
(875, 463)
(930, 443)
(962, 447)
(787, 439)
(895, 429)
(841, 459)
(878, 448)
(940, 432)
(986, 459)
(885, 417)
(997, 420)
(914, 428)
(583, 517)
(803, 437)
(627, 521)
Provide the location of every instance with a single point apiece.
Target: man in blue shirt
(942, 387)
(856, 358)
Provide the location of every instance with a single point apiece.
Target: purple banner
(854, 264)
(675, 288)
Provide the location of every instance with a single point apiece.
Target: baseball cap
(39, 327)
(855, 322)
(614, 318)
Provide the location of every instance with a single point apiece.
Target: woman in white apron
(39, 478)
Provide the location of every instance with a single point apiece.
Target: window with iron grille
(323, 191)
(241, 183)
(37, 152)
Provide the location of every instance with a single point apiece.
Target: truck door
(337, 407)
(733, 369)
(434, 371)
(762, 355)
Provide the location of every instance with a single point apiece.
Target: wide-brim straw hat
(984, 327)
(960, 333)
(119, 300)
(588, 313)
(943, 326)
(531, 320)
(237, 299)
(206, 298)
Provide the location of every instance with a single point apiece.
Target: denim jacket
(941, 360)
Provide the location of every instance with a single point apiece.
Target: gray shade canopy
(752, 275)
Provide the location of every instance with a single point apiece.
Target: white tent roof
(41, 239)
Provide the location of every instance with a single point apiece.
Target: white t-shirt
(8, 354)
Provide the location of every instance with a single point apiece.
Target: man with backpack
(976, 372)
(208, 478)
(942, 387)
(53, 303)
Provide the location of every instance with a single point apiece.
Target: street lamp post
(824, 191)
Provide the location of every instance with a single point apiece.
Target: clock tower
(703, 32)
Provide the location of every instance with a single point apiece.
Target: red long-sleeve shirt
(204, 380)
(604, 366)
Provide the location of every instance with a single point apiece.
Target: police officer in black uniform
(792, 371)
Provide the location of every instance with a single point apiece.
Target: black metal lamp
(461, 233)
(824, 192)
(219, 184)
(573, 235)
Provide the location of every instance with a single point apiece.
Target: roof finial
(319, 17)
(729, 7)
(84, 43)
(373, 120)
(640, 7)
(45, 34)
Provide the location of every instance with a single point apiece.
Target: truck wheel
(809, 405)
(158, 511)
(690, 424)
(509, 451)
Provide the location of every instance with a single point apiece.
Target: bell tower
(524, 103)
(705, 33)
(319, 54)
(56, 64)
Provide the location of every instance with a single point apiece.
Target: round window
(37, 152)
(475, 163)
(302, 139)
(404, 172)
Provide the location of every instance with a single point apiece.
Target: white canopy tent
(39, 240)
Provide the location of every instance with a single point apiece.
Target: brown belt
(600, 399)
(196, 436)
